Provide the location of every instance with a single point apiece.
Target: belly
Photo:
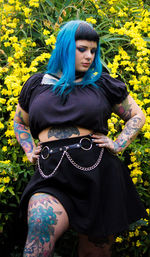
(61, 132)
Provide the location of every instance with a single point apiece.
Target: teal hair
(63, 59)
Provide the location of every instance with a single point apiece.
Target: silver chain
(86, 168)
(53, 172)
(72, 162)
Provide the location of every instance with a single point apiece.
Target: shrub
(28, 34)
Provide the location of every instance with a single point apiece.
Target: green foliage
(28, 31)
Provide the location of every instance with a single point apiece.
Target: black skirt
(99, 202)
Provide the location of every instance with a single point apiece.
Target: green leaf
(105, 65)
(50, 3)
(10, 189)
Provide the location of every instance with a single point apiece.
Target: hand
(103, 141)
(35, 154)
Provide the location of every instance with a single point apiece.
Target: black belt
(46, 151)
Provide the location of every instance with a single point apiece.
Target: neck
(79, 74)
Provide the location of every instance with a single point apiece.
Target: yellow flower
(2, 101)
(134, 180)
(138, 243)
(112, 10)
(46, 32)
(136, 232)
(27, 11)
(34, 3)
(3, 172)
(112, 30)
(119, 239)
(6, 180)
(51, 40)
(91, 20)
(133, 158)
(4, 148)
(146, 183)
(25, 159)
(122, 14)
(11, 1)
(2, 189)
(5, 162)
(6, 44)
(147, 134)
(131, 234)
(1, 125)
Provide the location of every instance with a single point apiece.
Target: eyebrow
(86, 46)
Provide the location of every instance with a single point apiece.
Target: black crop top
(87, 107)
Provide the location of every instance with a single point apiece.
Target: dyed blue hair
(63, 58)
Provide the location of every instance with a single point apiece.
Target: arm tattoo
(129, 132)
(124, 110)
(63, 132)
(22, 133)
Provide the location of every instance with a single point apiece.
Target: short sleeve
(114, 89)
(27, 90)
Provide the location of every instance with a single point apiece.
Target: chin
(84, 69)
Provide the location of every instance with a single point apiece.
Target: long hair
(63, 56)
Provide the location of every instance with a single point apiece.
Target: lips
(85, 64)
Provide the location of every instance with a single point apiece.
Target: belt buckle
(85, 138)
(43, 157)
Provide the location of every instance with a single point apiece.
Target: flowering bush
(28, 34)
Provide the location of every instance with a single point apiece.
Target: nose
(88, 55)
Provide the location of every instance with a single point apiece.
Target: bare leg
(89, 249)
(47, 220)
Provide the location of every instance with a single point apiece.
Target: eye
(93, 51)
(81, 49)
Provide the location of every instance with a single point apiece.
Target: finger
(38, 149)
(101, 145)
(100, 140)
(34, 157)
(97, 135)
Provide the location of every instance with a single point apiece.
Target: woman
(79, 182)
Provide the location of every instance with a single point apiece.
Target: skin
(47, 220)
(85, 53)
(63, 133)
(128, 110)
(23, 135)
(131, 113)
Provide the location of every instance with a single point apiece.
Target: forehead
(86, 43)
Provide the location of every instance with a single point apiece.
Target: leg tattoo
(42, 220)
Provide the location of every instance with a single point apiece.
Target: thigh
(47, 211)
(91, 249)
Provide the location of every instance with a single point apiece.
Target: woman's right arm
(23, 134)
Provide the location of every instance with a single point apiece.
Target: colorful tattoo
(42, 220)
(124, 110)
(42, 199)
(130, 130)
(63, 132)
(22, 133)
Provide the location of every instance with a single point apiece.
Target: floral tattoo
(22, 133)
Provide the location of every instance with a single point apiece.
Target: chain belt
(65, 152)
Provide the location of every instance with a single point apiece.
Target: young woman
(79, 182)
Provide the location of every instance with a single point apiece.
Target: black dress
(101, 201)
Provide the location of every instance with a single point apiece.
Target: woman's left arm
(134, 117)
